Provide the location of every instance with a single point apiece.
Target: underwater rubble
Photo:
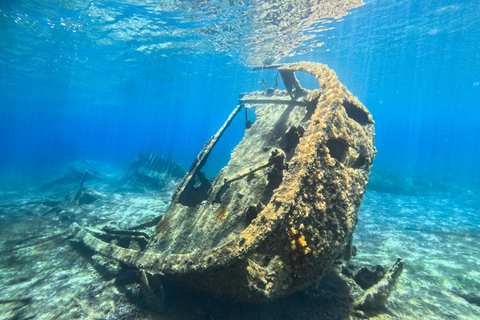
(43, 275)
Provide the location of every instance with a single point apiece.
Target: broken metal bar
(105, 236)
(56, 210)
(247, 172)
(277, 156)
(151, 223)
(75, 199)
(124, 232)
(272, 66)
(273, 101)
(203, 155)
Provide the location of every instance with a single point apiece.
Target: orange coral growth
(221, 213)
(298, 244)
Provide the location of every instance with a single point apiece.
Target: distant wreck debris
(75, 201)
(75, 171)
(147, 172)
(282, 210)
(153, 171)
(65, 208)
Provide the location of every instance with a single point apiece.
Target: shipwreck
(282, 210)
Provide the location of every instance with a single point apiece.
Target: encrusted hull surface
(281, 211)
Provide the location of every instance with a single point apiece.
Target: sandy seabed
(45, 275)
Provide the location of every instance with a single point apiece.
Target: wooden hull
(281, 211)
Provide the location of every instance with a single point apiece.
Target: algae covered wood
(281, 211)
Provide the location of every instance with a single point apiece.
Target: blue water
(104, 80)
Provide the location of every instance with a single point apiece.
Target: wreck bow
(281, 211)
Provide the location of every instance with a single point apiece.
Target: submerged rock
(367, 277)
(375, 297)
(280, 212)
(470, 297)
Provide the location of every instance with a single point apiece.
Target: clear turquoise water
(105, 80)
